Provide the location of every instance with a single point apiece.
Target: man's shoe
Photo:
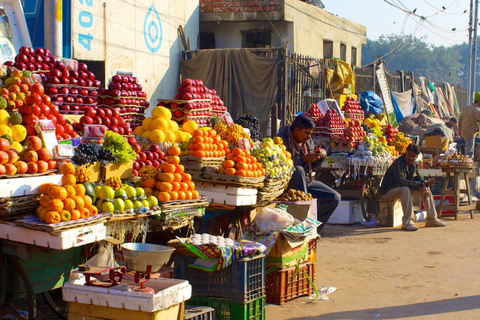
(434, 223)
(410, 227)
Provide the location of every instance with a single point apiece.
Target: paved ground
(386, 273)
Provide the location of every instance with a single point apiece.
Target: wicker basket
(16, 207)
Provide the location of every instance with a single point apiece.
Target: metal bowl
(138, 256)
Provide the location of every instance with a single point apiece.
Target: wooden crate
(79, 311)
(123, 171)
(390, 213)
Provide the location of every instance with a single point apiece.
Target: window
(343, 51)
(327, 49)
(354, 56)
(207, 40)
(256, 38)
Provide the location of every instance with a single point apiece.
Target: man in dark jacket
(297, 139)
(401, 181)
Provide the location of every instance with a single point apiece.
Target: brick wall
(240, 5)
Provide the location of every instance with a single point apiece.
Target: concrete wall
(138, 36)
(313, 25)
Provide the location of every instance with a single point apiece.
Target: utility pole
(472, 46)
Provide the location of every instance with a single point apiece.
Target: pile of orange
(239, 162)
(207, 144)
(171, 182)
(66, 202)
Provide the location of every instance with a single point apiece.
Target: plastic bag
(273, 219)
(371, 102)
(104, 257)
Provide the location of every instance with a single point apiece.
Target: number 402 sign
(85, 20)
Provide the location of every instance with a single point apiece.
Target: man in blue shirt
(401, 181)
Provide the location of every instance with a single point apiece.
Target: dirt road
(386, 273)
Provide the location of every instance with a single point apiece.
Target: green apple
(119, 204)
(119, 193)
(139, 191)
(145, 203)
(130, 192)
(137, 204)
(107, 207)
(153, 201)
(106, 192)
(128, 204)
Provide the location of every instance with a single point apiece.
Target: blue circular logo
(152, 30)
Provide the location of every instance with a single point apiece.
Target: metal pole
(474, 48)
(53, 27)
(470, 38)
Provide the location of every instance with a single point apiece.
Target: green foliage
(411, 54)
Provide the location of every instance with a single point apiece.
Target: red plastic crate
(285, 284)
(448, 199)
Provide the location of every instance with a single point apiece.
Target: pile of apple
(34, 159)
(126, 94)
(153, 157)
(314, 112)
(352, 109)
(38, 106)
(354, 131)
(109, 117)
(189, 110)
(331, 125)
(33, 59)
(390, 132)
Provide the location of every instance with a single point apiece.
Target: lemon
(139, 130)
(146, 134)
(146, 123)
(179, 136)
(173, 125)
(161, 112)
(170, 136)
(18, 132)
(159, 123)
(157, 135)
(189, 126)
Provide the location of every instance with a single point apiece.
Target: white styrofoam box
(61, 240)
(16, 187)
(228, 199)
(346, 212)
(169, 292)
(226, 189)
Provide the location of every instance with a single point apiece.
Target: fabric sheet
(244, 81)
(403, 104)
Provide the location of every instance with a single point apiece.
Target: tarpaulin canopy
(403, 104)
(341, 76)
(244, 81)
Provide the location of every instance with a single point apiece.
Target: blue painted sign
(152, 30)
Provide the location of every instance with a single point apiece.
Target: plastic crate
(312, 255)
(227, 310)
(437, 187)
(285, 284)
(198, 313)
(243, 281)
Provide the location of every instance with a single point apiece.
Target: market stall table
(457, 173)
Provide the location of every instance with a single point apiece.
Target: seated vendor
(402, 181)
(297, 139)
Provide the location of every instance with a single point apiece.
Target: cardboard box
(391, 213)
(123, 171)
(287, 252)
(436, 142)
(96, 172)
(301, 209)
(347, 212)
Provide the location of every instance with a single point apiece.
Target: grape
(119, 148)
(250, 122)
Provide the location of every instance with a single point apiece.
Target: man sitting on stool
(401, 181)
(297, 139)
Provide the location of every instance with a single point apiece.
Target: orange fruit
(79, 189)
(183, 186)
(165, 186)
(241, 173)
(55, 205)
(175, 186)
(199, 154)
(92, 209)
(174, 151)
(195, 194)
(166, 177)
(68, 204)
(167, 167)
(288, 154)
(173, 195)
(57, 192)
(79, 203)
(191, 146)
(69, 180)
(179, 168)
(238, 152)
(67, 168)
(148, 191)
(186, 177)
(242, 166)
(181, 195)
(240, 159)
(41, 212)
(177, 177)
(175, 160)
(87, 200)
(191, 185)
(75, 214)
(149, 183)
(70, 191)
(198, 133)
(231, 157)
(84, 213)
(197, 139)
(52, 217)
(221, 170)
(228, 164)
(44, 200)
(192, 153)
(163, 196)
(188, 195)
(43, 189)
(200, 146)
(230, 171)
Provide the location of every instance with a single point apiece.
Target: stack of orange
(171, 183)
(207, 144)
(66, 202)
(239, 162)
